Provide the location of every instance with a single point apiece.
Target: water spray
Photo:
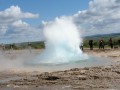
(62, 42)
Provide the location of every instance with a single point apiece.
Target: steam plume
(62, 42)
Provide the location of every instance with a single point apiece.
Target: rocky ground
(87, 78)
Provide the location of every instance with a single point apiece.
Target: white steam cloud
(62, 42)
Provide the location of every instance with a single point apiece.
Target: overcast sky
(21, 20)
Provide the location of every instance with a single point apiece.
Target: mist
(15, 60)
(62, 42)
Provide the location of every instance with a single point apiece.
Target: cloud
(13, 28)
(14, 13)
(20, 31)
(3, 29)
(102, 17)
(19, 23)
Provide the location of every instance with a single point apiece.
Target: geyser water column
(62, 41)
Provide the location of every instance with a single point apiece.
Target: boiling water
(20, 60)
(62, 41)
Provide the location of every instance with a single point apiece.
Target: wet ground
(106, 77)
(95, 78)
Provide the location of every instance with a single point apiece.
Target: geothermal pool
(16, 60)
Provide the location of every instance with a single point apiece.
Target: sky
(47, 9)
(21, 20)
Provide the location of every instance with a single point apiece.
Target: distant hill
(112, 35)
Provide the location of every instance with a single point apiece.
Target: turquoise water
(91, 62)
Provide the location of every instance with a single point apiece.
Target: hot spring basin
(91, 62)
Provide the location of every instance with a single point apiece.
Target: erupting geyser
(62, 41)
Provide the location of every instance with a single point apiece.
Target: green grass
(96, 40)
(19, 46)
(41, 45)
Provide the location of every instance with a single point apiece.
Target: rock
(118, 72)
(83, 71)
(36, 86)
(8, 85)
(74, 69)
(16, 86)
(86, 68)
(52, 78)
(82, 77)
(95, 77)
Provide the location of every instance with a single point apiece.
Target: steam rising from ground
(15, 61)
(62, 42)
(10, 60)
